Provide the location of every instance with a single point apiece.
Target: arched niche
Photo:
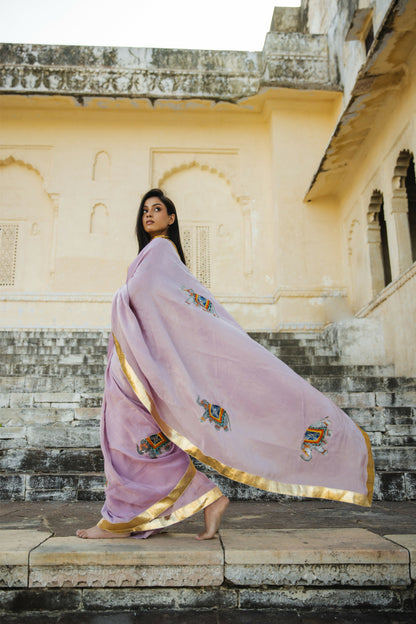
(28, 222)
(214, 223)
(99, 219)
(101, 167)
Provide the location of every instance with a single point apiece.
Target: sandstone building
(292, 169)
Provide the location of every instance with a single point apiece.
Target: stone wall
(73, 189)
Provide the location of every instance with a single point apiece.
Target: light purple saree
(183, 378)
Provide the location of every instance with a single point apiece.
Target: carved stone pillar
(401, 249)
(375, 253)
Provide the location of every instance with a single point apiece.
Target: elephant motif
(315, 439)
(200, 301)
(215, 414)
(154, 445)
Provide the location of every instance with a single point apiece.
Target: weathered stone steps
(63, 358)
(50, 370)
(29, 424)
(52, 384)
(342, 370)
(319, 363)
(64, 486)
(76, 474)
(19, 379)
(405, 387)
(302, 366)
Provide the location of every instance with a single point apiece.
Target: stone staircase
(51, 384)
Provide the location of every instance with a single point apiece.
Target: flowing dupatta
(217, 395)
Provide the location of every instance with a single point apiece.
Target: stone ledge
(15, 548)
(350, 557)
(166, 560)
(408, 542)
(315, 558)
(163, 549)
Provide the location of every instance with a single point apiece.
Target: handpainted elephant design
(215, 414)
(154, 445)
(200, 301)
(315, 439)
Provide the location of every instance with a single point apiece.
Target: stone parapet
(296, 60)
(288, 60)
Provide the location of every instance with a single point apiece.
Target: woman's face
(156, 219)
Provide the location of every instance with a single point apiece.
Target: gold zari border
(183, 512)
(133, 380)
(155, 510)
(137, 525)
(289, 489)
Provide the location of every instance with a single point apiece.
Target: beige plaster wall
(309, 265)
(26, 206)
(72, 177)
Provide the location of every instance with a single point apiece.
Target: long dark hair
(143, 238)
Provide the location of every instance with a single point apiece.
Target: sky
(200, 24)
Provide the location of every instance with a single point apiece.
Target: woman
(183, 379)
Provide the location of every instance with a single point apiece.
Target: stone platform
(293, 556)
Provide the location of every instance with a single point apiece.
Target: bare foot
(213, 514)
(96, 533)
